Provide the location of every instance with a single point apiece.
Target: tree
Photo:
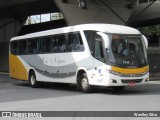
(150, 30)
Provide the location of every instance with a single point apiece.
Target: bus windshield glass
(127, 51)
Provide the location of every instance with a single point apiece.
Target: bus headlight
(115, 73)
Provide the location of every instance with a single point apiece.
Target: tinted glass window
(59, 43)
(75, 42)
(90, 39)
(62, 43)
(127, 51)
(99, 48)
(95, 43)
(22, 47)
(33, 46)
(14, 47)
(45, 45)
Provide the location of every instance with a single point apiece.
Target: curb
(154, 79)
(154, 82)
(4, 73)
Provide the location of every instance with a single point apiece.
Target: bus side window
(54, 44)
(59, 43)
(33, 46)
(99, 48)
(80, 46)
(62, 43)
(90, 40)
(23, 47)
(75, 42)
(45, 45)
(95, 44)
(14, 47)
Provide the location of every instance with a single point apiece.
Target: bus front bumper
(114, 80)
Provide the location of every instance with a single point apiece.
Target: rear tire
(32, 80)
(84, 84)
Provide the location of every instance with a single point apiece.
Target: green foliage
(150, 30)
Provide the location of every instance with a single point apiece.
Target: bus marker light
(147, 80)
(113, 81)
(93, 75)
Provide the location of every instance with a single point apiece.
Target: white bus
(87, 55)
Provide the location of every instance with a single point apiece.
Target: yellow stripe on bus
(131, 70)
(17, 69)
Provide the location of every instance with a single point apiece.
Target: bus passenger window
(33, 46)
(62, 43)
(90, 39)
(23, 47)
(54, 44)
(45, 45)
(14, 47)
(59, 43)
(75, 42)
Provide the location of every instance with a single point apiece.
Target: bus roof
(107, 28)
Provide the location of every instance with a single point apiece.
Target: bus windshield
(127, 51)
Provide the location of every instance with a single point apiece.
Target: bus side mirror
(145, 41)
(82, 4)
(105, 38)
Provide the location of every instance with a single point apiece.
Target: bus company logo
(56, 60)
(133, 75)
(6, 114)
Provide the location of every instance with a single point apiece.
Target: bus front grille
(132, 80)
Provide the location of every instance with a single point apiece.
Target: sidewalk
(154, 77)
(4, 73)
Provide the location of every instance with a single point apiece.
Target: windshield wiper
(137, 58)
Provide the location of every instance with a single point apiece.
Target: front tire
(84, 84)
(32, 80)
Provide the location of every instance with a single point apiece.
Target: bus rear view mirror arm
(105, 38)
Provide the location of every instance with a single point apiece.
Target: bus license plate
(131, 84)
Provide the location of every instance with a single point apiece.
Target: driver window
(95, 44)
(99, 48)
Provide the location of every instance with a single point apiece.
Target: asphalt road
(18, 96)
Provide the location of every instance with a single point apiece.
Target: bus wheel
(32, 80)
(84, 84)
(118, 88)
